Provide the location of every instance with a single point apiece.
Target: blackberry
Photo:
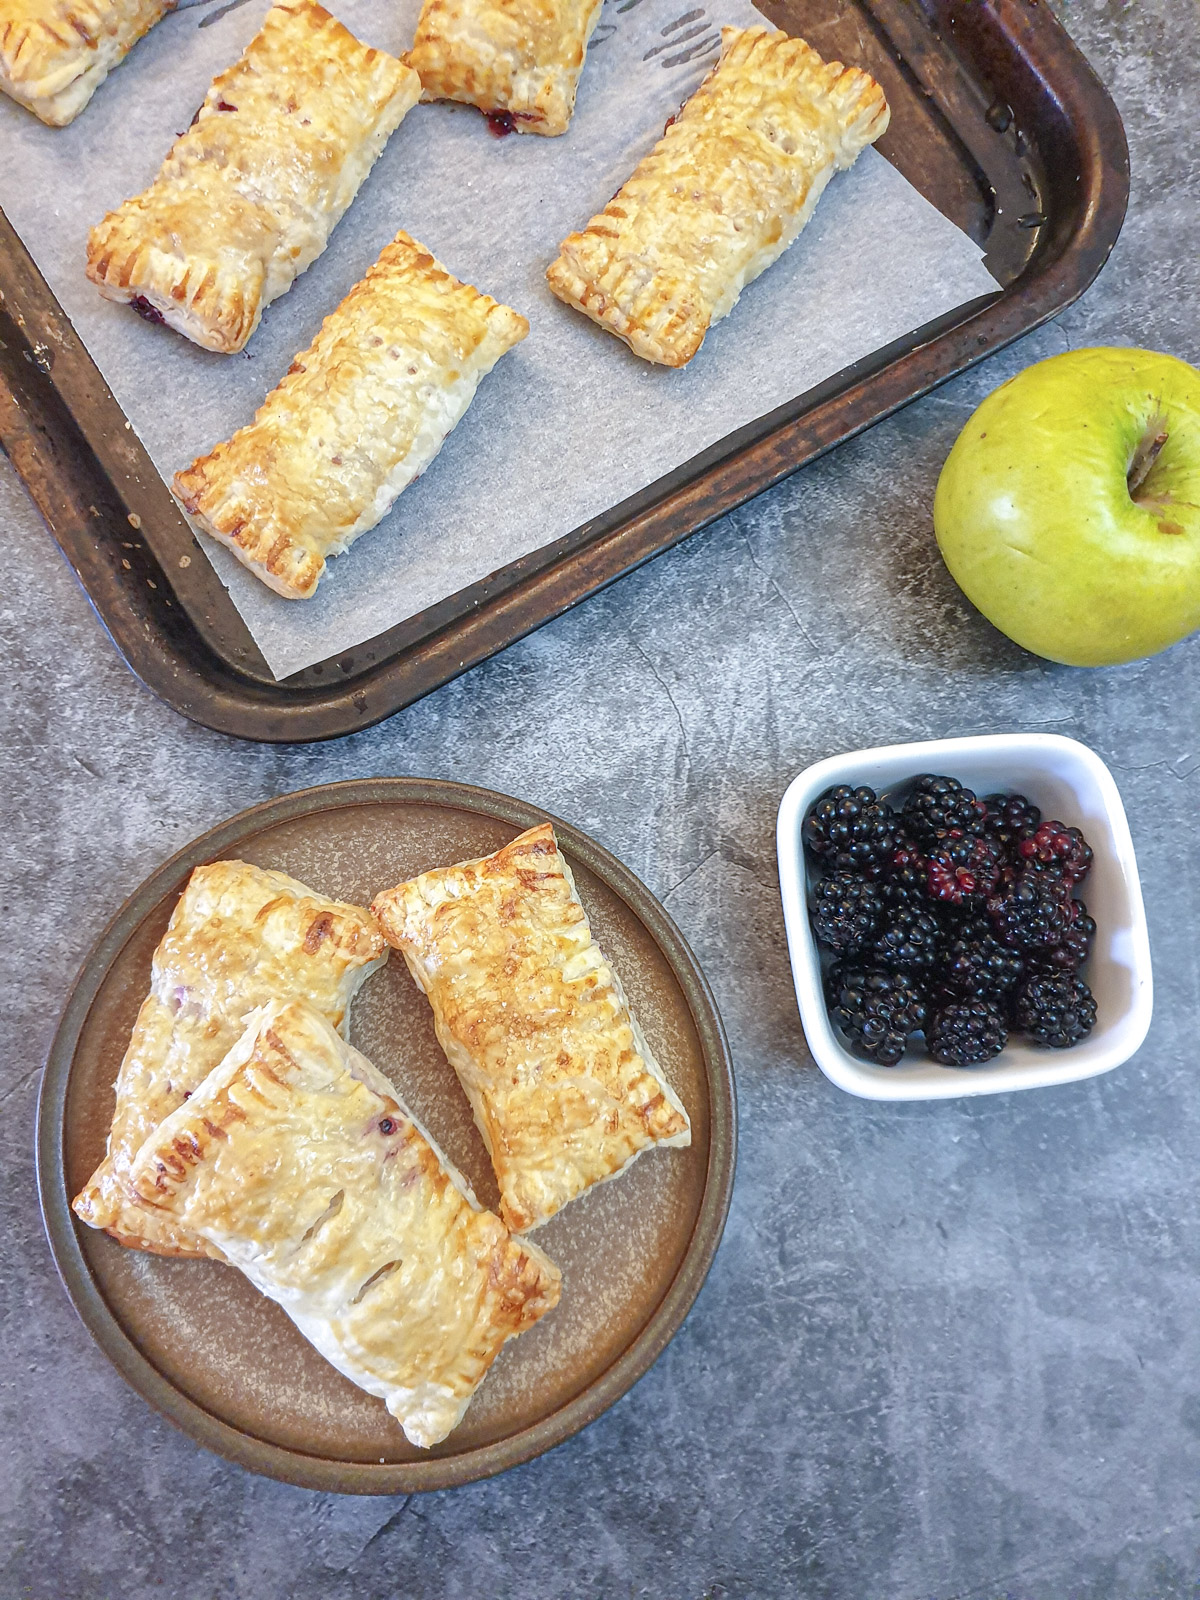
(1076, 944)
(852, 829)
(1056, 848)
(980, 966)
(905, 881)
(877, 1011)
(966, 1033)
(1030, 911)
(846, 911)
(938, 806)
(950, 915)
(910, 942)
(964, 868)
(1010, 818)
(974, 924)
(1056, 1010)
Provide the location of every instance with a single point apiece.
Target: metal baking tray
(996, 117)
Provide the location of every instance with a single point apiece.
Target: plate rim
(358, 1477)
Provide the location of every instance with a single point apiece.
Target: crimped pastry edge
(547, 110)
(525, 1222)
(126, 267)
(57, 106)
(601, 305)
(294, 571)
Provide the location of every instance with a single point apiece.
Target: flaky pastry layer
(565, 1090)
(248, 196)
(723, 193)
(520, 57)
(360, 414)
(240, 936)
(297, 1161)
(55, 54)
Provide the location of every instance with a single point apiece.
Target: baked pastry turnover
(55, 54)
(297, 1162)
(723, 193)
(238, 938)
(517, 60)
(359, 415)
(565, 1090)
(248, 196)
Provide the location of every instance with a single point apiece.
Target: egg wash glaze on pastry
(727, 188)
(239, 937)
(563, 1085)
(521, 59)
(55, 54)
(297, 1161)
(247, 198)
(359, 415)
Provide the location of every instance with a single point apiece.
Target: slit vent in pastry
(520, 59)
(296, 1160)
(359, 415)
(565, 1090)
(55, 54)
(239, 937)
(248, 196)
(723, 193)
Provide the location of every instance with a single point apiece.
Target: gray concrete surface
(946, 1351)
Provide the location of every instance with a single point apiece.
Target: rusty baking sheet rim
(358, 1477)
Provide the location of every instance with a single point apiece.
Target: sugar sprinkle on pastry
(564, 1087)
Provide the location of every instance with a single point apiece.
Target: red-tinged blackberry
(846, 911)
(1076, 944)
(966, 1033)
(905, 880)
(938, 806)
(877, 1011)
(1055, 847)
(910, 941)
(1030, 911)
(980, 966)
(850, 829)
(1057, 1011)
(964, 869)
(1010, 818)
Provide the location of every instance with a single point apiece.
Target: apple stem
(1145, 456)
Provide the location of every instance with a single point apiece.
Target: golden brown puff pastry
(297, 1162)
(55, 54)
(724, 192)
(565, 1090)
(519, 59)
(359, 415)
(239, 937)
(248, 196)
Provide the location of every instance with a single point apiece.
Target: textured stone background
(946, 1351)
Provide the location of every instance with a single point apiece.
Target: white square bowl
(1071, 784)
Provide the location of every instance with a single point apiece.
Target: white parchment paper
(570, 422)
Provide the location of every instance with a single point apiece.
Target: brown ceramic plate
(197, 1341)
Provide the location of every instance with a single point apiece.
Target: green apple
(1068, 510)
